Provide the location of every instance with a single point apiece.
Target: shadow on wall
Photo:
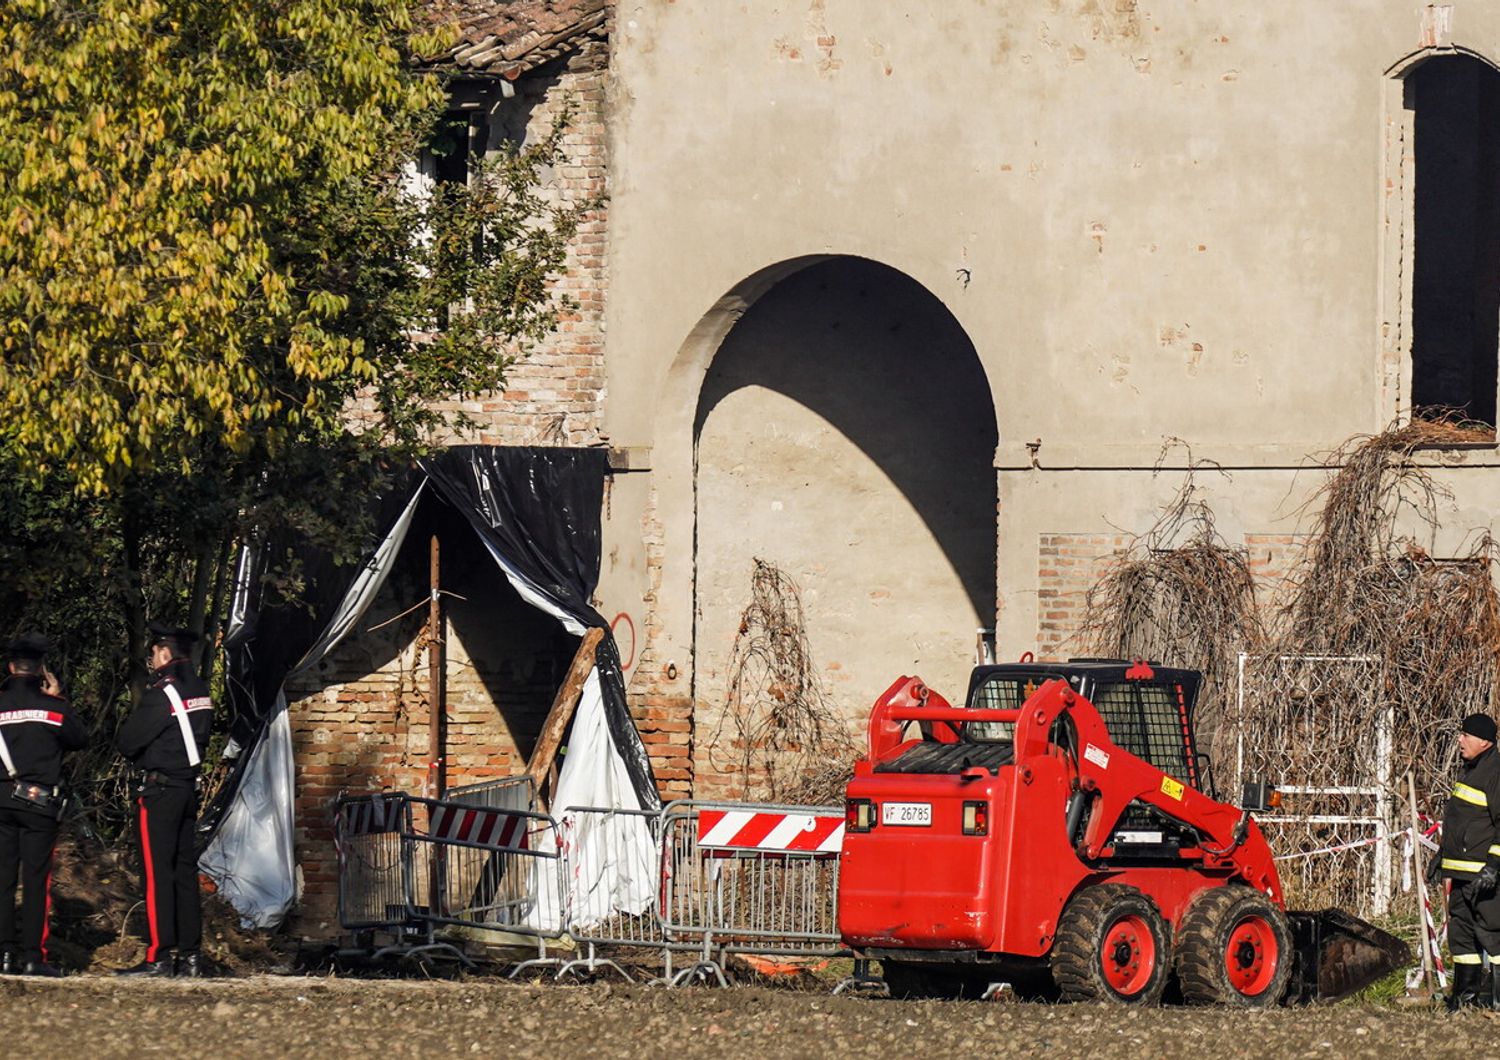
(505, 659)
(880, 359)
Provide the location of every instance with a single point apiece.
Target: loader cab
(1147, 708)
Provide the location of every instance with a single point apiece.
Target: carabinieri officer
(165, 739)
(36, 727)
(1470, 858)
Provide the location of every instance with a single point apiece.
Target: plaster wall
(1152, 220)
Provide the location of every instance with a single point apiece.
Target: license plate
(911, 813)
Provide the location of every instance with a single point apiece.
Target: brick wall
(659, 702)
(1067, 566)
(554, 394)
(1273, 560)
(360, 719)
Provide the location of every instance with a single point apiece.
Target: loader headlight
(976, 818)
(859, 815)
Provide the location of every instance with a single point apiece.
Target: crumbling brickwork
(1068, 565)
(659, 699)
(360, 719)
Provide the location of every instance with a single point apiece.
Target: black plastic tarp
(537, 509)
(540, 511)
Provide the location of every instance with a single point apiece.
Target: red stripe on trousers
(150, 884)
(47, 905)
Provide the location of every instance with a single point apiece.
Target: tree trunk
(216, 614)
(135, 604)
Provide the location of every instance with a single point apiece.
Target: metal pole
(436, 724)
(1419, 873)
(437, 711)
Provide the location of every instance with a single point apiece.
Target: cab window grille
(998, 693)
(1147, 720)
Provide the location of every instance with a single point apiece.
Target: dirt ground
(298, 1016)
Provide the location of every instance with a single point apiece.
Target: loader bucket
(1337, 954)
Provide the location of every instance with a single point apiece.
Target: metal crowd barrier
(409, 865)
(750, 878)
(612, 874)
(705, 878)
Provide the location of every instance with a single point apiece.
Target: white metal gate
(1319, 728)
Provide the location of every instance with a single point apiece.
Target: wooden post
(437, 715)
(1420, 875)
(563, 705)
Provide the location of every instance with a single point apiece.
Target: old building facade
(907, 300)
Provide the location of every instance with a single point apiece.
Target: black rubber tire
(1203, 943)
(1078, 957)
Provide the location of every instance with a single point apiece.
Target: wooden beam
(563, 705)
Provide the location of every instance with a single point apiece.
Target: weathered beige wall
(1159, 219)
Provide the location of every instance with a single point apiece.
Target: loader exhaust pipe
(1336, 955)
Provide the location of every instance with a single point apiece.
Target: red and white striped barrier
(722, 829)
(496, 828)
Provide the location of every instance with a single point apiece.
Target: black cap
(29, 645)
(172, 636)
(1480, 725)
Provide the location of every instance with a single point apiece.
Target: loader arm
(1115, 778)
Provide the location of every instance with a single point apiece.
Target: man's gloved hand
(1434, 871)
(1488, 877)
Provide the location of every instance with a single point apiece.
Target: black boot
(10, 964)
(192, 966)
(1464, 993)
(43, 969)
(161, 969)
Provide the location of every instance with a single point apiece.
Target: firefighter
(1470, 861)
(164, 739)
(37, 726)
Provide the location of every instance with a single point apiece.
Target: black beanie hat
(1480, 725)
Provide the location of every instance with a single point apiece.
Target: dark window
(1456, 267)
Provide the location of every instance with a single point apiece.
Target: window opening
(1455, 304)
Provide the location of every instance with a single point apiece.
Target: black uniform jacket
(38, 728)
(151, 737)
(1471, 823)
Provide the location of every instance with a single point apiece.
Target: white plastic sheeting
(252, 855)
(611, 860)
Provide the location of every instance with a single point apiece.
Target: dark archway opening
(1456, 269)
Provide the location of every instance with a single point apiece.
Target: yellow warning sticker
(1171, 789)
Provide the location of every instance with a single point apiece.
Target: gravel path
(95, 1018)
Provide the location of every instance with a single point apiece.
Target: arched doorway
(844, 436)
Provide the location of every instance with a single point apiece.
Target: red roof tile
(511, 36)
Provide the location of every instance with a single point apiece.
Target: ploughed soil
(100, 1017)
(98, 921)
(97, 925)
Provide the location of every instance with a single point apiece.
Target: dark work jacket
(1470, 833)
(38, 728)
(151, 738)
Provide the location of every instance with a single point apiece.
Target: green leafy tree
(221, 308)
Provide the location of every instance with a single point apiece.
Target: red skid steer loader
(1054, 833)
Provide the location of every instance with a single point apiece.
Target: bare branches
(1363, 673)
(1180, 594)
(778, 732)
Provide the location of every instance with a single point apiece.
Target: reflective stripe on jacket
(1471, 823)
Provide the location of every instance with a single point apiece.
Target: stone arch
(842, 426)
